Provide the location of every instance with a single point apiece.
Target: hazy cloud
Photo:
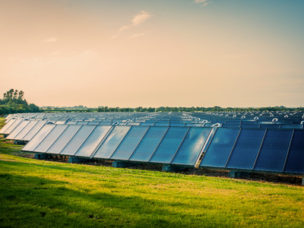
(138, 19)
(202, 2)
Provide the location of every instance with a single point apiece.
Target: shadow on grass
(34, 201)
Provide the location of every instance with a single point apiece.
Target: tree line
(13, 102)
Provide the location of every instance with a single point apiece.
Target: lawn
(35, 193)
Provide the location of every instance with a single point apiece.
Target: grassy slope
(40, 193)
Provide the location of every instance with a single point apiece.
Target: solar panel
(246, 149)
(273, 152)
(88, 147)
(77, 140)
(112, 142)
(295, 161)
(30, 146)
(25, 130)
(220, 148)
(129, 143)
(50, 138)
(6, 126)
(17, 130)
(13, 126)
(63, 140)
(169, 145)
(192, 146)
(149, 144)
(34, 130)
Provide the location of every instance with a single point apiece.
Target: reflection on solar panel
(274, 149)
(149, 144)
(38, 137)
(77, 140)
(246, 149)
(128, 145)
(192, 146)
(64, 138)
(50, 138)
(34, 130)
(220, 148)
(87, 149)
(18, 129)
(25, 130)
(112, 142)
(295, 160)
(169, 145)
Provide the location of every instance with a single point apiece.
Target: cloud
(140, 18)
(137, 20)
(50, 40)
(136, 35)
(202, 2)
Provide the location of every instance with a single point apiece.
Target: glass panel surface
(148, 144)
(192, 146)
(295, 162)
(128, 145)
(63, 140)
(13, 126)
(18, 129)
(51, 138)
(26, 130)
(6, 126)
(169, 145)
(220, 147)
(246, 149)
(93, 141)
(31, 145)
(112, 142)
(34, 130)
(78, 140)
(274, 149)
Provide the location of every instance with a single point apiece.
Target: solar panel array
(180, 139)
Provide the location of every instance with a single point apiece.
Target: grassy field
(36, 193)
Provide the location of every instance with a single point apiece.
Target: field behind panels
(35, 193)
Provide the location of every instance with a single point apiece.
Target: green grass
(35, 193)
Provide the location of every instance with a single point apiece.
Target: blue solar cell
(295, 162)
(112, 142)
(129, 144)
(192, 146)
(273, 152)
(89, 146)
(246, 149)
(169, 145)
(220, 148)
(148, 144)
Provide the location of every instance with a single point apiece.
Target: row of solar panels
(274, 150)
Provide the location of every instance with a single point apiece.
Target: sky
(129, 53)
